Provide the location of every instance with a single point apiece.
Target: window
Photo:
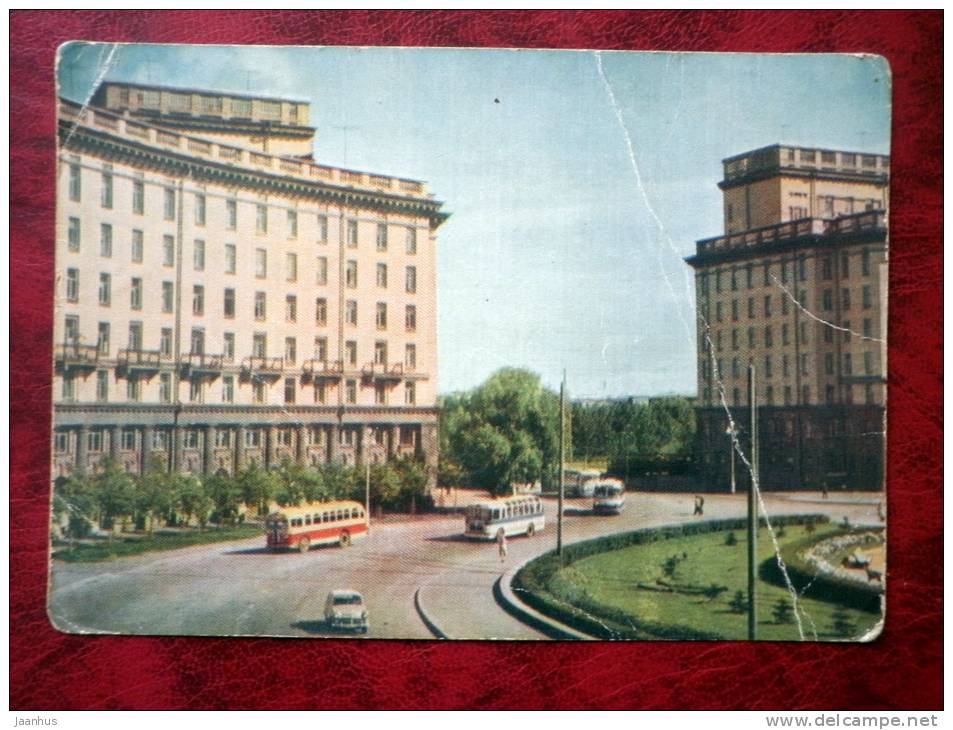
(350, 312)
(411, 279)
(200, 209)
(749, 276)
(198, 300)
(259, 345)
(845, 299)
(322, 229)
(102, 385)
(848, 363)
(75, 180)
(827, 268)
(751, 338)
(261, 218)
(868, 328)
(228, 306)
(133, 390)
(802, 268)
(105, 240)
(718, 311)
(105, 285)
(410, 318)
(196, 395)
(804, 364)
(411, 240)
(291, 350)
(128, 439)
(350, 395)
(94, 440)
(381, 236)
(868, 363)
(767, 305)
(231, 214)
(380, 353)
(806, 394)
(351, 274)
(380, 394)
(829, 364)
(168, 204)
(321, 311)
(321, 349)
(230, 258)
(768, 366)
(750, 307)
(410, 357)
(768, 337)
(320, 392)
(168, 296)
(137, 247)
(228, 396)
(223, 436)
(102, 339)
(767, 273)
(845, 265)
(847, 332)
(72, 285)
(381, 319)
(198, 341)
(228, 346)
(291, 266)
(253, 438)
(260, 300)
(869, 394)
(135, 293)
(291, 308)
(734, 280)
(718, 282)
(718, 341)
(198, 255)
(350, 352)
(827, 300)
(865, 262)
(69, 387)
(829, 394)
(289, 392)
(785, 334)
(261, 263)
(352, 234)
(180, 102)
(168, 250)
(258, 392)
(160, 439)
(322, 270)
(73, 234)
(292, 224)
(785, 365)
(382, 276)
(734, 310)
(106, 192)
(165, 342)
(868, 299)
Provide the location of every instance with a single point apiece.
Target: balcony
(382, 372)
(316, 370)
(201, 366)
(268, 368)
(141, 362)
(75, 356)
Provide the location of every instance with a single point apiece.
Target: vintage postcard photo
(469, 344)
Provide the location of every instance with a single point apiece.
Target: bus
(522, 514)
(608, 496)
(316, 523)
(579, 481)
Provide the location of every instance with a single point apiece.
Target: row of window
(768, 339)
(198, 390)
(790, 269)
(830, 395)
(200, 207)
(738, 370)
(130, 440)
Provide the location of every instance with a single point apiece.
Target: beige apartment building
(222, 299)
(797, 286)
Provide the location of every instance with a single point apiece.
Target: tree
(226, 496)
(738, 603)
(783, 612)
(115, 493)
(191, 499)
(75, 495)
(842, 624)
(154, 493)
(257, 487)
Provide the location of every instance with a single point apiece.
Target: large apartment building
(222, 299)
(797, 286)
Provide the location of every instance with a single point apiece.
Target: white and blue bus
(519, 515)
(608, 496)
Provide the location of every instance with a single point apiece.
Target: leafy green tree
(842, 624)
(738, 602)
(258, 487)
(75, 496)
(783, 612)
(191, 499)
(226, 496)
(296, 484)
(154, 493)
(115, 493)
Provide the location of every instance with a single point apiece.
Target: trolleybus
(316, 523)
(608, 496)
(522, 514)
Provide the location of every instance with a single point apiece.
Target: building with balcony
(797, 286)
(221, 299)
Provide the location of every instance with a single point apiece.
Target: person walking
(699, 505)
(501, 544)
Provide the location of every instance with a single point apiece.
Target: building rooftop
(803, 161)
(195, 90)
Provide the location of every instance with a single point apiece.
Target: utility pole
(753, 508)
(562, 458)
(367, 495)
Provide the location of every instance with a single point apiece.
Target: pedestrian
(501, 543)
(824, 490)
(699, 505)
(880, 511)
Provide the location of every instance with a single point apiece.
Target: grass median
(125, 545)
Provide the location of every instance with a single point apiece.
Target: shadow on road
(322, 628)
(257, 551)
(450, 538)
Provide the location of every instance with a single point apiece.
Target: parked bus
(579, 482)
(522, 514)
(316, 523)
(608, 496)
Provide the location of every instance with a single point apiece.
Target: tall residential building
(222, 299)
(797, 286)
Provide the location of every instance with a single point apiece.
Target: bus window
(307, 519)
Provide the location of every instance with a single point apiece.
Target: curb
(508, 601)
(428, 622)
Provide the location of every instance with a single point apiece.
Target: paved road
(237, 588)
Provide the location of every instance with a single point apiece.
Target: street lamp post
(732, 432)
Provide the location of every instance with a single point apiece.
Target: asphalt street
(240, 589)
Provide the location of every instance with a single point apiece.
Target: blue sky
(553, 257)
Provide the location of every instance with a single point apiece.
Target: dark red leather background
(902, 670)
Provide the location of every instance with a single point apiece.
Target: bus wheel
(303, 545)
(345, 539)
(530, 530)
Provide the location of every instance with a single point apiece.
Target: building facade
(222, 300)
(796, 286)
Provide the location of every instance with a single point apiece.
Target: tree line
(111, 496)
(506, 432)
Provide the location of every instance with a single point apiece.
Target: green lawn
(612, 579)
(125, 545)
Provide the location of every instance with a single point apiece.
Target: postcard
(440, 343)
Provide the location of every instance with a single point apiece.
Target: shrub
(730, 539)
(738, 602)
(782, 612)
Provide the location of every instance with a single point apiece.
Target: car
(345, 609)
